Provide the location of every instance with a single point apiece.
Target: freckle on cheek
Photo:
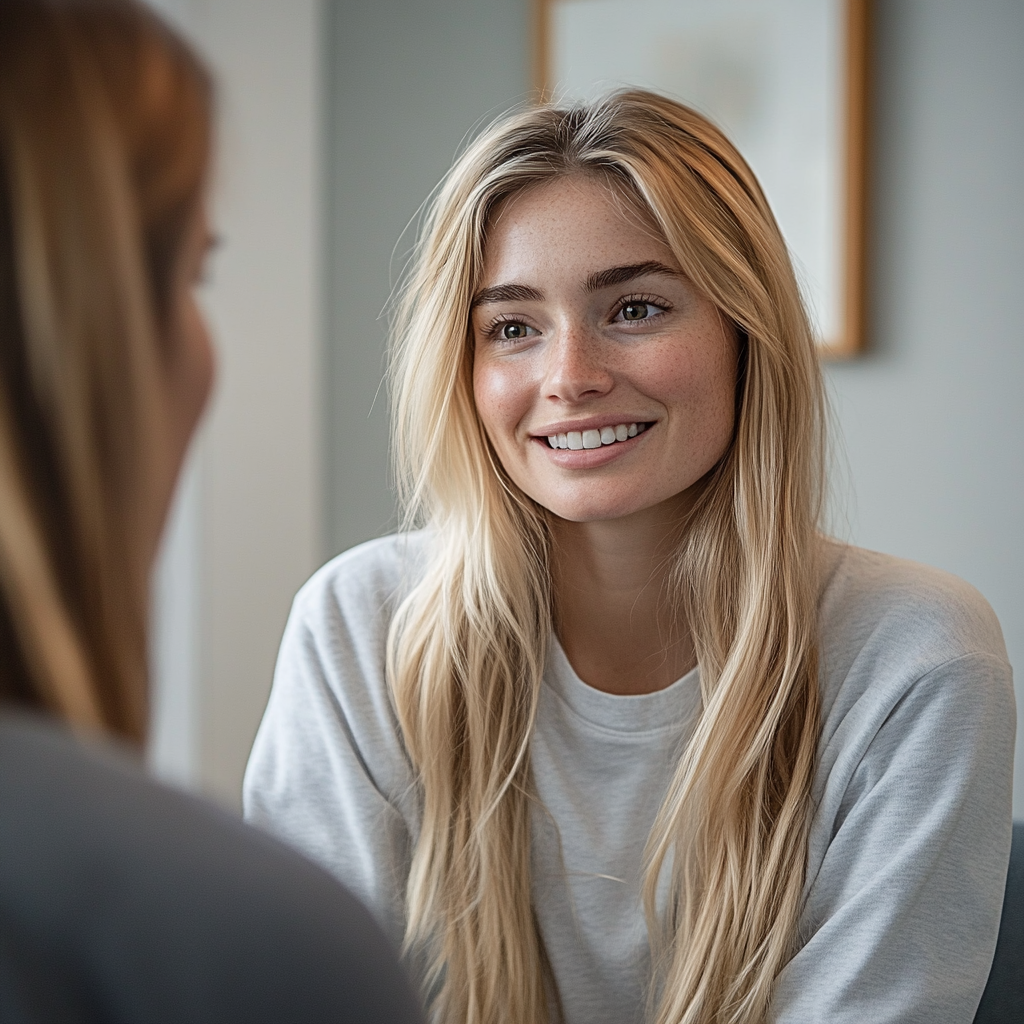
(496, 392)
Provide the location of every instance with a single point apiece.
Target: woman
(620, 736)
(119, 899)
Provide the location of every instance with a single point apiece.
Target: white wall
(933, 416)
(246, 528)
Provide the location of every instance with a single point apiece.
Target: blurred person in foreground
(121, 899)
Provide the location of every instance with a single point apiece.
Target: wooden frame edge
(856, 169)
(540, 72)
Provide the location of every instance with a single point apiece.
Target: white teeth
(577, 439)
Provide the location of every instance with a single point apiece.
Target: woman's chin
(608, 505)
(599, 508)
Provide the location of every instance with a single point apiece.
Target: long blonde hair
(104, 147)
(467, 648)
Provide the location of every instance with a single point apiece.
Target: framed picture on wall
(788, 82)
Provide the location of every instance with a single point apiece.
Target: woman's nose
(575, 368)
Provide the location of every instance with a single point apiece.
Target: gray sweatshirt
(908, 846)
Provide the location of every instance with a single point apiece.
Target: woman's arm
(901, 918)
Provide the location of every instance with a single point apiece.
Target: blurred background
(337, 119)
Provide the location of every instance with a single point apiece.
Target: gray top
(908, 846)
(123, 900)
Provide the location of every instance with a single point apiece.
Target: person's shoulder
(888, 624)
(365, 580)
(330, 684)
(172, 907)
(82, 799)
(869, 596)
(914, 681)
(380, 563)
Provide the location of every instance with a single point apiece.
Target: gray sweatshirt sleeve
(902, 915)
(328, 773)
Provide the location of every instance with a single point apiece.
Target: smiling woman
(620, 736)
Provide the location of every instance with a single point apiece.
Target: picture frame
(788, 80)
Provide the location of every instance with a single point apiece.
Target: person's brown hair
(104, 149)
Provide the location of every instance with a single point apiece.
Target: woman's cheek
(502, 394)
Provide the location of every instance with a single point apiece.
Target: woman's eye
(512, 330)
(633, 311)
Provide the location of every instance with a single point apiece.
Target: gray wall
(246, 527)
(407, 80)
(933, 416)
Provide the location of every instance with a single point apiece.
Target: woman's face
(190, 367)
(604, 380)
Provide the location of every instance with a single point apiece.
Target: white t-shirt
(908, 846)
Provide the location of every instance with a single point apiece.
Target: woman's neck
(612, 619)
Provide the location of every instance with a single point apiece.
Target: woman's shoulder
(887, 623)
(137, 890)
(364, 584)
(331, 709)
(868, 595)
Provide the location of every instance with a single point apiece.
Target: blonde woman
(618, 735)
(120, 899)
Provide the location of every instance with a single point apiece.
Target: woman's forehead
(580, 219)
(616, 190)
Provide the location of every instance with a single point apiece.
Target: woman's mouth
(575, 440)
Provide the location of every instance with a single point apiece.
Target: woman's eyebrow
(598, 280)
(620, 275)
(506, 293)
